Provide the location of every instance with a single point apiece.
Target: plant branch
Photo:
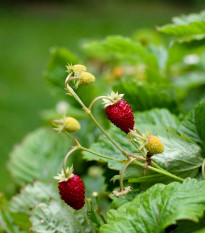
(123, 171)
(100, 155)
(163, 172)
(203, 170)
(66, 157)
(98, 98)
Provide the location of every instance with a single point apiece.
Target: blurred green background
(29, 30)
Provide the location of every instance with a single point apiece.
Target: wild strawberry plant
(138, 156)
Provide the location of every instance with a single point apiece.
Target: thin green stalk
(66, 157)
(157, 166)
(163, 172)
(100, 155)
(123, 171)
(97, 98)
(136, 156)
(70, 136)
(203, 170)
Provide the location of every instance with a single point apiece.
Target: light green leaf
(31, 195)
(59, 217)
(193, 126)
(121, 49)
(158, 207)
(193, 24)
(142, 96)
(39, 156)
(55, 72)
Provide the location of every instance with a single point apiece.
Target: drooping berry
(86, 78)
(119, 112)
(71, 124)
(154, 145)
(71, 189)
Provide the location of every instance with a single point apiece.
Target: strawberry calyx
(65, 177)
(112, 98)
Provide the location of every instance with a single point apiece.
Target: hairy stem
(97, 98)
(66, 157)
(123, 171)
(203, 170)
(163, 172)
(100, 155)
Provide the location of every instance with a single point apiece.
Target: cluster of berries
(71, 187)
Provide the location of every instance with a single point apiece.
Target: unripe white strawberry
(71, 124)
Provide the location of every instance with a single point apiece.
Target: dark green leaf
(158, 208)
(143, 96)
(193, 126)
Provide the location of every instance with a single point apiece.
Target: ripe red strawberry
(71, 189)
(119, 112)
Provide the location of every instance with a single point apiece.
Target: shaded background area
(29, 30)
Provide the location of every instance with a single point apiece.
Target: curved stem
(137, 157)
(123, 171)
(134, 144)
(71, 91)
(203, 170)
(100, 155)
(163, 172)
(74, 139)
(66, 157)
(157, 166)
(97, 98)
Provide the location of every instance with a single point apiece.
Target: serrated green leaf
(38, 157)
(193, 24)
(32, 195)
(56, 216)
(158, 207)
(193, 126)
(143, 96)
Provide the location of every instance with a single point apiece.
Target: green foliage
(119, 48)
(56, 69)
(158, 208)
(143, 96)
(192, 24)
(58, 217)
(155, 81)
(38, 157)
(193, 126)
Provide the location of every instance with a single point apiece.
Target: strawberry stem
(66, 157)
(163, 172)
(203, 170)
(98, 98)
(100, 155)
(123, 171)
(72, 92)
